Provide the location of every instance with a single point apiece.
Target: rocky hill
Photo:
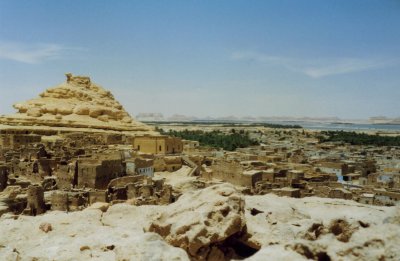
(76, 103)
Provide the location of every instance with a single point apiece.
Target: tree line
(231, 124)
(216, 139)
(358, 138)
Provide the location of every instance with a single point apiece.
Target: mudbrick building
(74, 146)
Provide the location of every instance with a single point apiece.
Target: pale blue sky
(210, 58)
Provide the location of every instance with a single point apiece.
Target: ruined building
(35, 201)
(158, 144)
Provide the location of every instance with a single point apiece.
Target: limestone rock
(321, 229)
(82, 230)
(11, 192)
(3, 208)
(77, 103)
(124, 213)
(103, 118)
(202, 218)
(81, 110)
(276, 252)
(203, 223)
(46, 227)
(34, 112)
(103, 206)
(22, 108)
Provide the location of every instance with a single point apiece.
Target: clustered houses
(293, 163)
(73, 170)
(70, 171)
(75, 145)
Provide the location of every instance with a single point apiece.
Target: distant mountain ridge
(149, 117)
(384, 120)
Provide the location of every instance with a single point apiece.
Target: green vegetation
(229, 124)
(215, 139)
(358, 138)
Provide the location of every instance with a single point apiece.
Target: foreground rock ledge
(199, 220)
(321, 229)
(215, 223)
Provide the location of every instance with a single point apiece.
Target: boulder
(320, 229)
(201, 219)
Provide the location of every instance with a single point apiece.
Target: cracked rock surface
(214, 223)
(82, 236)
(200, 219)
(321, 229)
(75, 103)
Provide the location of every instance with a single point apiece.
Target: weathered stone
(46, 227)
(202, 218)
(34, 112)
(76, 103)
(103, 206)
(78, 235)
(320, 229)
(204, 223)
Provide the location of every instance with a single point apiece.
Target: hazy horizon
(271, 117)
(210, 58)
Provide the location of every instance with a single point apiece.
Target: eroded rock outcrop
(215, 223)
(199, 221)
(78, 95)
(321, 229)
(84, 235)
(78, 102)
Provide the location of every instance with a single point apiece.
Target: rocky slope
(215, 223)
(321, 229)
(78, 103)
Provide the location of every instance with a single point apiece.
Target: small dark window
(159, 148)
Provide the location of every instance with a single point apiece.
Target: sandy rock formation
(83, 235)
(321, 229)
(78, 95)
(200, 220)
(78, 102)
(215, 223)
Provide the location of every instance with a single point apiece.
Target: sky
(210, 58)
